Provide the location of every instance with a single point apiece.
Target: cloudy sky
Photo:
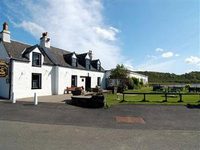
(153, 35)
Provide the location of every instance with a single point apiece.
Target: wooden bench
(70, 89)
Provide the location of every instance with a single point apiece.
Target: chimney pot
(44, 34)
(5, 26)
(44, 40)
(5, 34)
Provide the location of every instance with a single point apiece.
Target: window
(36, 81)
(74, 80)
(74, 62)
(36, 59)
(98, 81)
(87, 64)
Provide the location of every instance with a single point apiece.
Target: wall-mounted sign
(3, 69)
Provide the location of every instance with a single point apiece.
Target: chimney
(5, 33)
(90, 54)
(45, 41)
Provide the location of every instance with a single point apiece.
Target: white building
(44, 69)
(140, 77)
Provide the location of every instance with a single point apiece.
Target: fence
(166, 95)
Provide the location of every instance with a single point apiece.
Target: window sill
(37, 66)
(36, 88)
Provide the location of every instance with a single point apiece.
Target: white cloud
(75, 25)
(159, 50)
(177, 55)
(107, 34)
(32, 27)
(167, 54)
(151, 57)
(193, 60)
(165, 66)
(129, 64)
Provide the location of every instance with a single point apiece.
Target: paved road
(156, 116)
(30, 136)
(62, 126)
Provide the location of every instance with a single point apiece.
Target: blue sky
(154, 35)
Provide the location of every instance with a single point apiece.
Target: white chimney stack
(5, 33)
(45, 41)
(90, 54)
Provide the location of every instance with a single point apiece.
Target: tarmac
(59, 125)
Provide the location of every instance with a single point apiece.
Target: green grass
(152, 99)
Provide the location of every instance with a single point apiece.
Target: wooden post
(199, 98)
(144, 100)
(165, 98)
(123, 97)
(180, 95)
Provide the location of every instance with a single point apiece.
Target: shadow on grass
(163, 102)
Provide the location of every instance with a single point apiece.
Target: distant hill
(168, 78)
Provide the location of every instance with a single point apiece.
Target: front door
(88, 83)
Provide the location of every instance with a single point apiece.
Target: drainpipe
(11, 94)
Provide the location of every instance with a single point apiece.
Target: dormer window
(36, 59)
(87, 64)
(74, 62)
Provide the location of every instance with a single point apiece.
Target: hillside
(168, 78)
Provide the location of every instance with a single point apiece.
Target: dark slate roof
(15, 49)
(19, 51)
(52, 56)
(94, 63)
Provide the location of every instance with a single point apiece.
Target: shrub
(130, 83)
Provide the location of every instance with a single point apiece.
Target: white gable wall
(22, 78)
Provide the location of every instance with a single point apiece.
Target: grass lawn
(152, 99)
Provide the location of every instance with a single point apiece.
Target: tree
(120, 72)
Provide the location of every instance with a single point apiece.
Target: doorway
(88, 84)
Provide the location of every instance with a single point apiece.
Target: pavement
(63, 126)
(48, 99)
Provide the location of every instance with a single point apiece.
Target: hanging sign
(3, 69)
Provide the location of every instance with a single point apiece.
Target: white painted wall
(22, 78)
(54, 79)
(64, 78)
(4, 85)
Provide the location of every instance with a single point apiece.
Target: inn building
(43, 69)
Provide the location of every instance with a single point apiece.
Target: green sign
(3, 69)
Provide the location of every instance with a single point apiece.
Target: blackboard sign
(3, 69)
